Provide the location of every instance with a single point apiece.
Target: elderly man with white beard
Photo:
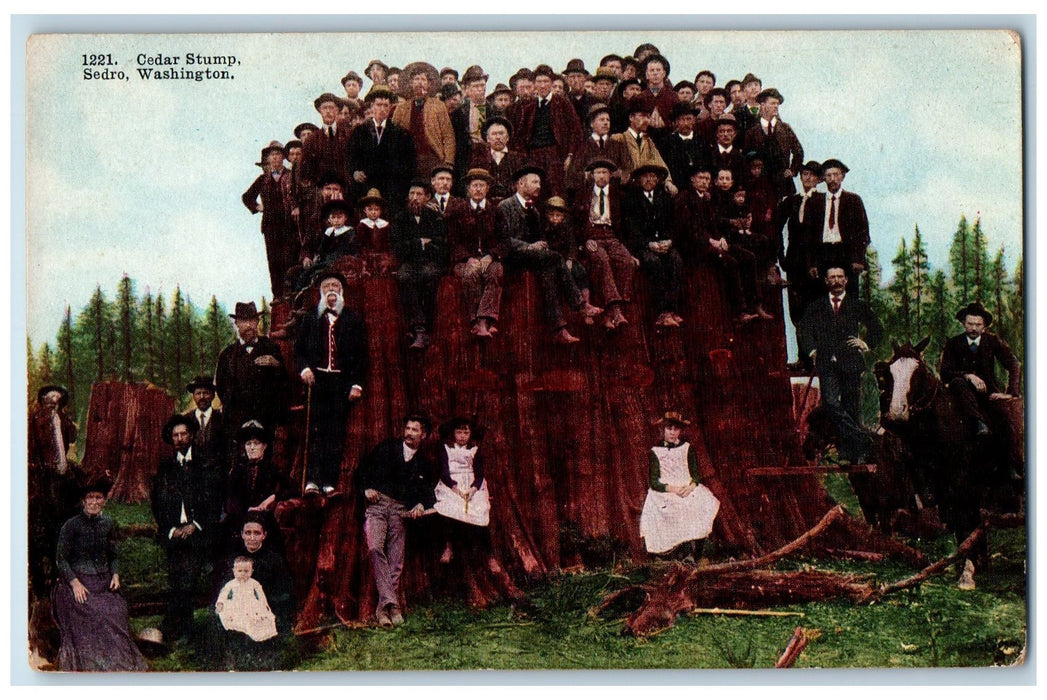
(331, 355)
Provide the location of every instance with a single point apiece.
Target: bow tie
(332, 312)
(671, 445)
(249, 346)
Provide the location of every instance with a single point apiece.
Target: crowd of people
(581, 178)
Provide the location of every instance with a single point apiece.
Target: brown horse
(958, 469)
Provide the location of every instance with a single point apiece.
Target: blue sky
(145, 177)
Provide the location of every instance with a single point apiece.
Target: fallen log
(745, 613)
(797, 643)
(932, 570)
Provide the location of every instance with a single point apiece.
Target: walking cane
(308, 412)
(803, 401)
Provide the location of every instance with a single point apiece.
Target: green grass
(933, 625)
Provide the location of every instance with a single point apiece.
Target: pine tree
(215, 327)
(126, 315)
(148, 330)
(32, 371)
(97, 320)
(64, 359)
(45, 364)
(1000, 285)
(900, 288)
(920, 270)
(982, 286)
(940, 319)
(959, 260)
(176, 342)
(263, 325)
(161, 340)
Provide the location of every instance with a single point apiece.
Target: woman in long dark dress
(254, 485)
(90, 611)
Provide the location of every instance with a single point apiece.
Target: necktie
(442, 204)
(974, 348)
(542, 103)
(329, 131)
(639, 141)
(603, 202)
(603, 142)
(832, 213)
(532, 218)
(378, 132)
(330, 342)
(836, 304)
(650, 197)
(203, 419)
(770, 128)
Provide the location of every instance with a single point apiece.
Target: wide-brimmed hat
(769, 93)
(529, 169)
(441, 168)
(637, 104)
(335, 205)
(975, 308)
(447, 70)
(377, 91)
(326, 273)
(202, 381)
(246, 311)
(649, 168)
(500, 88)
(293, 143)
(750, 78)
(575, 65)
(834, 163)
(477, 174)
(473, 73)
(372, 64)
(352, 75)
(673, 418)
(327, 97)
(188, 421)
(598, 108)
(812, 166)
(373, 196)
(606, 74)
(600, 163)
(304, 126)
(497, 120)
(680, 109)
(273, 146)
(413, 69)
(46, 389)
(546, 70)
(448, 91)
(151, 643)
(727, 119)
(555, 203)
(253, 429)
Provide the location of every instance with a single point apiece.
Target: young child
(242, 606)
(372, 234)
(461, 493)
(678, 511)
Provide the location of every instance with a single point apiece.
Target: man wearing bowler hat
(210, 438)
(251, 378)
(575, 75)
(837, 226)
(325, 151)
(969, 367)
(187, 500)
(648, 212)
(790, 218)
(682, 149)
(270, 194)
(776, 142)
(497, 159)
(331, 358)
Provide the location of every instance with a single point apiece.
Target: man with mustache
(331, 355)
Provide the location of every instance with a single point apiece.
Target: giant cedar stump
(124, 422)
(567, 433)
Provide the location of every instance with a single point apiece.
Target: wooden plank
(811, 470)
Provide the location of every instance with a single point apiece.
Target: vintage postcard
(525, 350)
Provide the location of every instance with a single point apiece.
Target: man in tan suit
(640, 145)
(429, 124)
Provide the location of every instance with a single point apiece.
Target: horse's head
(904, 382)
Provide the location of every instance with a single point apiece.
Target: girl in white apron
(461, 493)
(678, 509)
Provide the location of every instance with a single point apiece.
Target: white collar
(332, 231)
(479, 205)
(688, 137)
(375, 223)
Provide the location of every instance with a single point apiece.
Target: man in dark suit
(682, 149)
(325, 151)
(477, 250)
(331, 357)
(829, 336)
(419, 240)
(548, 130)
(397, 482)
(837, 227)
(575, 75)
(968, 366)
(251, 378)
(187, 503)
(518, 219)
(495, 157)
(271, 195)
(790, 217)
(649, 230)
(210, 438)
(776, 142)
(381, 153)
(724, 154)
